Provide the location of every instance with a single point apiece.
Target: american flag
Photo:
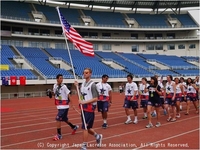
(73, 36)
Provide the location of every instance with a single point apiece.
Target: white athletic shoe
(181, 107)
(135, 121)
(128, 121)
(150, 125)
(178, 115)
(158, 124)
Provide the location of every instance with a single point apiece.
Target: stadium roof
(138, 4)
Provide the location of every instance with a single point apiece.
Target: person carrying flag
(105, 98)
(88, 100)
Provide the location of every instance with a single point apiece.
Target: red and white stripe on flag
(73, 36)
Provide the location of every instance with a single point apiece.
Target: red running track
(30, 124)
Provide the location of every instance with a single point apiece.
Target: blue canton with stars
(64, 22)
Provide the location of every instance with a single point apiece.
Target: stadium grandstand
(126, 40)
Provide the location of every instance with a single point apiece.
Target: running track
(30, 124)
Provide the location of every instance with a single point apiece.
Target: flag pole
(57, 8)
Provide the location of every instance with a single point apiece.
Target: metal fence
(97, 25)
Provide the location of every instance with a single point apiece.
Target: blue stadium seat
(106, 18)
(19, 72)
(185, 20)
(71, 15)
(189, 72)
(15, 9)
(147, 20)
(191, 58)
(80, 62)
(138, 59)
(40, 61)
(173, 62)
(130, 67)
(6, 54)
(166, 73)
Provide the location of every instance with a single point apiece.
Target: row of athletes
(155, 95)
(100, 95)
(90, 94)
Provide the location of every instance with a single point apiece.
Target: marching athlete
(182, 81)
(197, 82)
(89, 97)
(105, 98)
(131, 99)
(163, 95)
(144, 96)
(178, 97)
(154, 101)
(191, 95)
(62, 96)
(170, 98)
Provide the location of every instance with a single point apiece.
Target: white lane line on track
(153, 144)
(96, 129)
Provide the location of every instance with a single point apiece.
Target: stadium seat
(174, 62)
(40, 60)
(130, 67)
(185, 20)
(15, 9)
(115, 19)
(148, 20)
(80, 62)
(6, 54)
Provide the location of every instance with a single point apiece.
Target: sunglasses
(85, 72)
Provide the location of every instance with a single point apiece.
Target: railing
(33, 94)
(189, 74)
(22, 95)
(109, 59)
(137, 64)
(12, 67)
(34, 67)
(130, 19)
(111, 76)
(163, 63)
(17, 57)
(152, 67)
(172, 19)
(60, 58)
(64, 76)
(88, 17)
(64, 61)
(184, 67)
(192, 60)
(37, 12)
(30, 63)
(151, 60)
(113, 38)
(55, 58)
(97, 25)
(17, 18)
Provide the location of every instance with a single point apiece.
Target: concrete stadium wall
(42, 87)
